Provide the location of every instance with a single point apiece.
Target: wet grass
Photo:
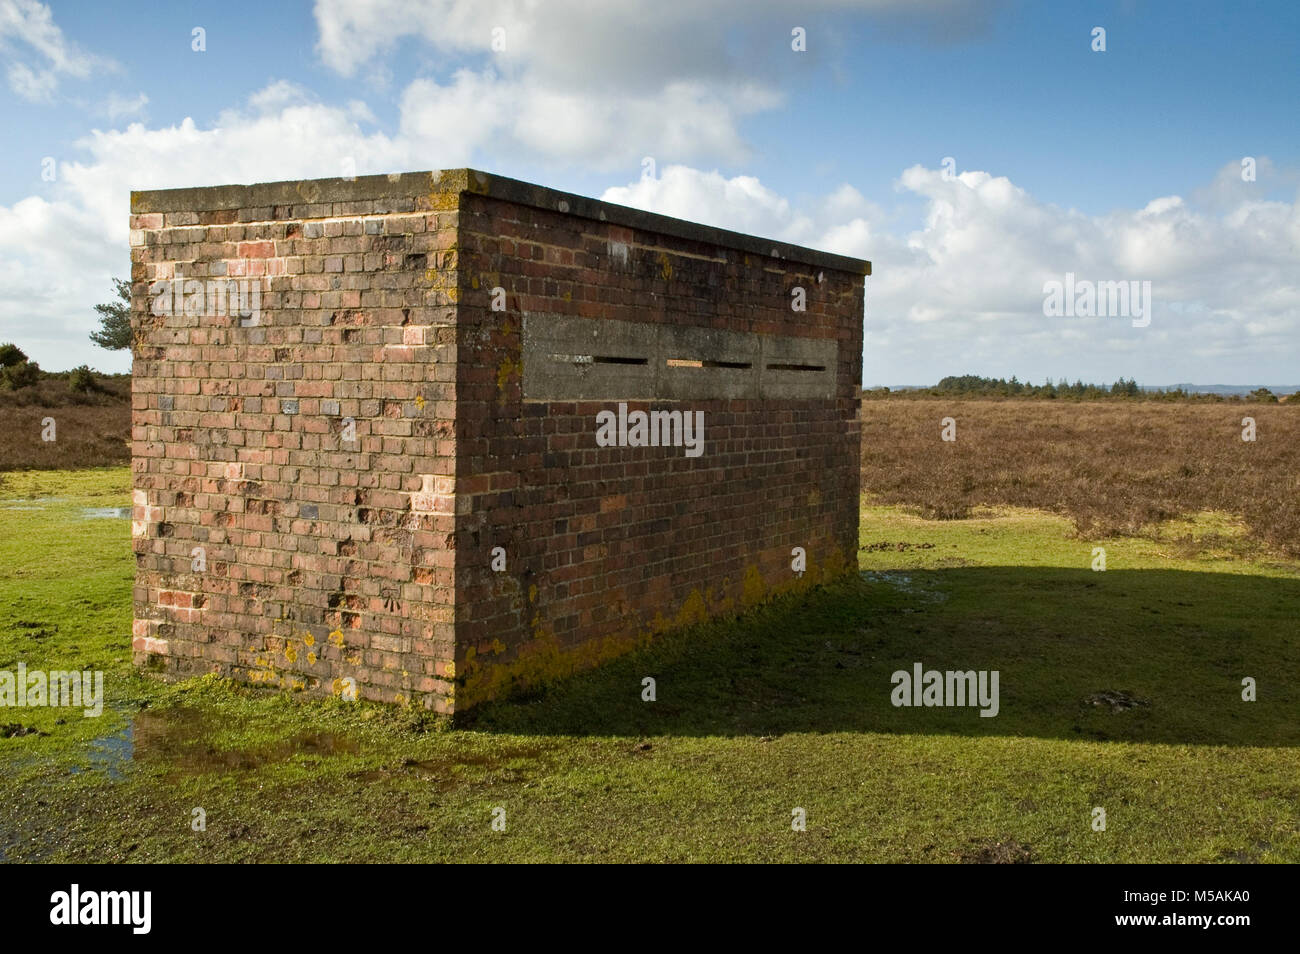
(1119, 690)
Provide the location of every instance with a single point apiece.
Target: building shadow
(1150, 656)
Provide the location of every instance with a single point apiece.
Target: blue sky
(1121, 165)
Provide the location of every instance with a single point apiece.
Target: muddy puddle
(180, 740)
(180, 737)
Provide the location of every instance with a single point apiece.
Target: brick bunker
(386, 432)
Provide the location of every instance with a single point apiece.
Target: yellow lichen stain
(336, 637)
(567, 296)
(532, 593)
(353, 660)
(444, 199)
(665, 266)
(451, 669)
(507, 369)
(693, 610)
(419, 401)
(835, 565)
(311, 659)
(309, 640)
(473, 282)
(753, 589)
(290, 653)
(498, 647)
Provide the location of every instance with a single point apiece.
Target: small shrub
(82, 379)
(22, 374)
(11, 354)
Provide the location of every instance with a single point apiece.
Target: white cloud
(741, 203)
(481, 115)
(27, 28)
(118, 107)
(602, 84)
(58, 251)
(959, 290)
(963, 291)
(629, 44)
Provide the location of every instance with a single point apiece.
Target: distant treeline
(975, 386)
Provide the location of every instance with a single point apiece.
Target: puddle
(105, 513)
(903, 583)
(108, 754)
(29, 503)
(179, 738)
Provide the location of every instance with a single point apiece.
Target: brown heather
(92, 429)
(1112, 467)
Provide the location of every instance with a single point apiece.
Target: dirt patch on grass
(1117, 700)
(1008, 852)
(900, 547)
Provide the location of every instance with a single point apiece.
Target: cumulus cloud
(959, 288)
(963, 290)
(58, 251)
(604, 84)
(631, 43)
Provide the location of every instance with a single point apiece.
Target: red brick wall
(607, 546)
(325, 560)
(330, 563)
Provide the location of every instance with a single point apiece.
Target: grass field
(1119, 690)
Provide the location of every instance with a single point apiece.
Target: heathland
(1120, 690)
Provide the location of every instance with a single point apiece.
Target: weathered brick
(369, 556)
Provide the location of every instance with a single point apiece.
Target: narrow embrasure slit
(597, 359)
(796, 367)
(697, 363)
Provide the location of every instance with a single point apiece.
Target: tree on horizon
(115, 320)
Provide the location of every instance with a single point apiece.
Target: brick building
(433, 436)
